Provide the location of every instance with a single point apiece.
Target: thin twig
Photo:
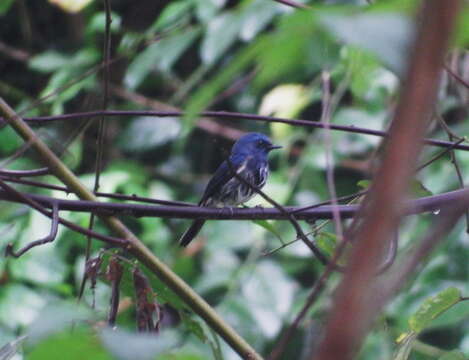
(447, 219)
(99, 194)
(25, 173)
(26, 199)
(101, 128)
(299, 231)
(49, 238)
(325, 119)
(232, 115)
(456, 76)
(454, 160)
(439, 155)
(293, 4)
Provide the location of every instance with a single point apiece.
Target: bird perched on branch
(248, 159)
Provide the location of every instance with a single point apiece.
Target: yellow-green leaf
(433, 307)
(327, 242)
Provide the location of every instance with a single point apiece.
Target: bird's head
(254, 143)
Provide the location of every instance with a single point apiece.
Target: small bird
(248, 159)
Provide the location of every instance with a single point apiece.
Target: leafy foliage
(250, 56)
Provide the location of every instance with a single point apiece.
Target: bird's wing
(221, 176)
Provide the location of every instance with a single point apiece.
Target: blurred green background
(251, 56)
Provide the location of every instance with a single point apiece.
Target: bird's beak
(273, 147)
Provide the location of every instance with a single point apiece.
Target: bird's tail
(192, 232)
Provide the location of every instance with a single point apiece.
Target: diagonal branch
(299, 231)
(134, 245)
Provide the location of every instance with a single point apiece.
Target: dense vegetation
(254, 57)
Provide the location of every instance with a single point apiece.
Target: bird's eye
(260, 142)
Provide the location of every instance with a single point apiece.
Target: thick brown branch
(379, 217)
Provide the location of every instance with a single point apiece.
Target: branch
(354, 307)
(299, 231)
(312, 212)
(132, 197)
(446, 220)
(35, 205)
(134, 245)
(456, 76)
(231, 115)
(49, 238)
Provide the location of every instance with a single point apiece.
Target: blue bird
(248, 158)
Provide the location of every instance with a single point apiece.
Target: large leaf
(56, 317)
(19, 305)
(125, 345)
(386, 35)
(221, 33)
(268, 300)
(161, 55)
(5, 6)
(433, 307)
(72, 345)
(173, 13)
(145, 133)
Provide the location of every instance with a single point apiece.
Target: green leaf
(221, 34)
(269, 227)
(293, 37)
(454, 315)
(364, 184)
(48, 61)
(419, 190)
(204, 96)
(453, 355)
(10, 139)
(161, 55)
(327, 242)
(125, 345)
(97, 24)
(5, 5)
(386, 35)
(269, 301)
(55, 317)
(19, 305)
(286, 100)
(194, 326)
(172, 14)
(255, 16)
(433, 307)
(72, 345)
(146, 133)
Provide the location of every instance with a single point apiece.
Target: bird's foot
(225, 209)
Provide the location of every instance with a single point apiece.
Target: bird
(248, 159)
